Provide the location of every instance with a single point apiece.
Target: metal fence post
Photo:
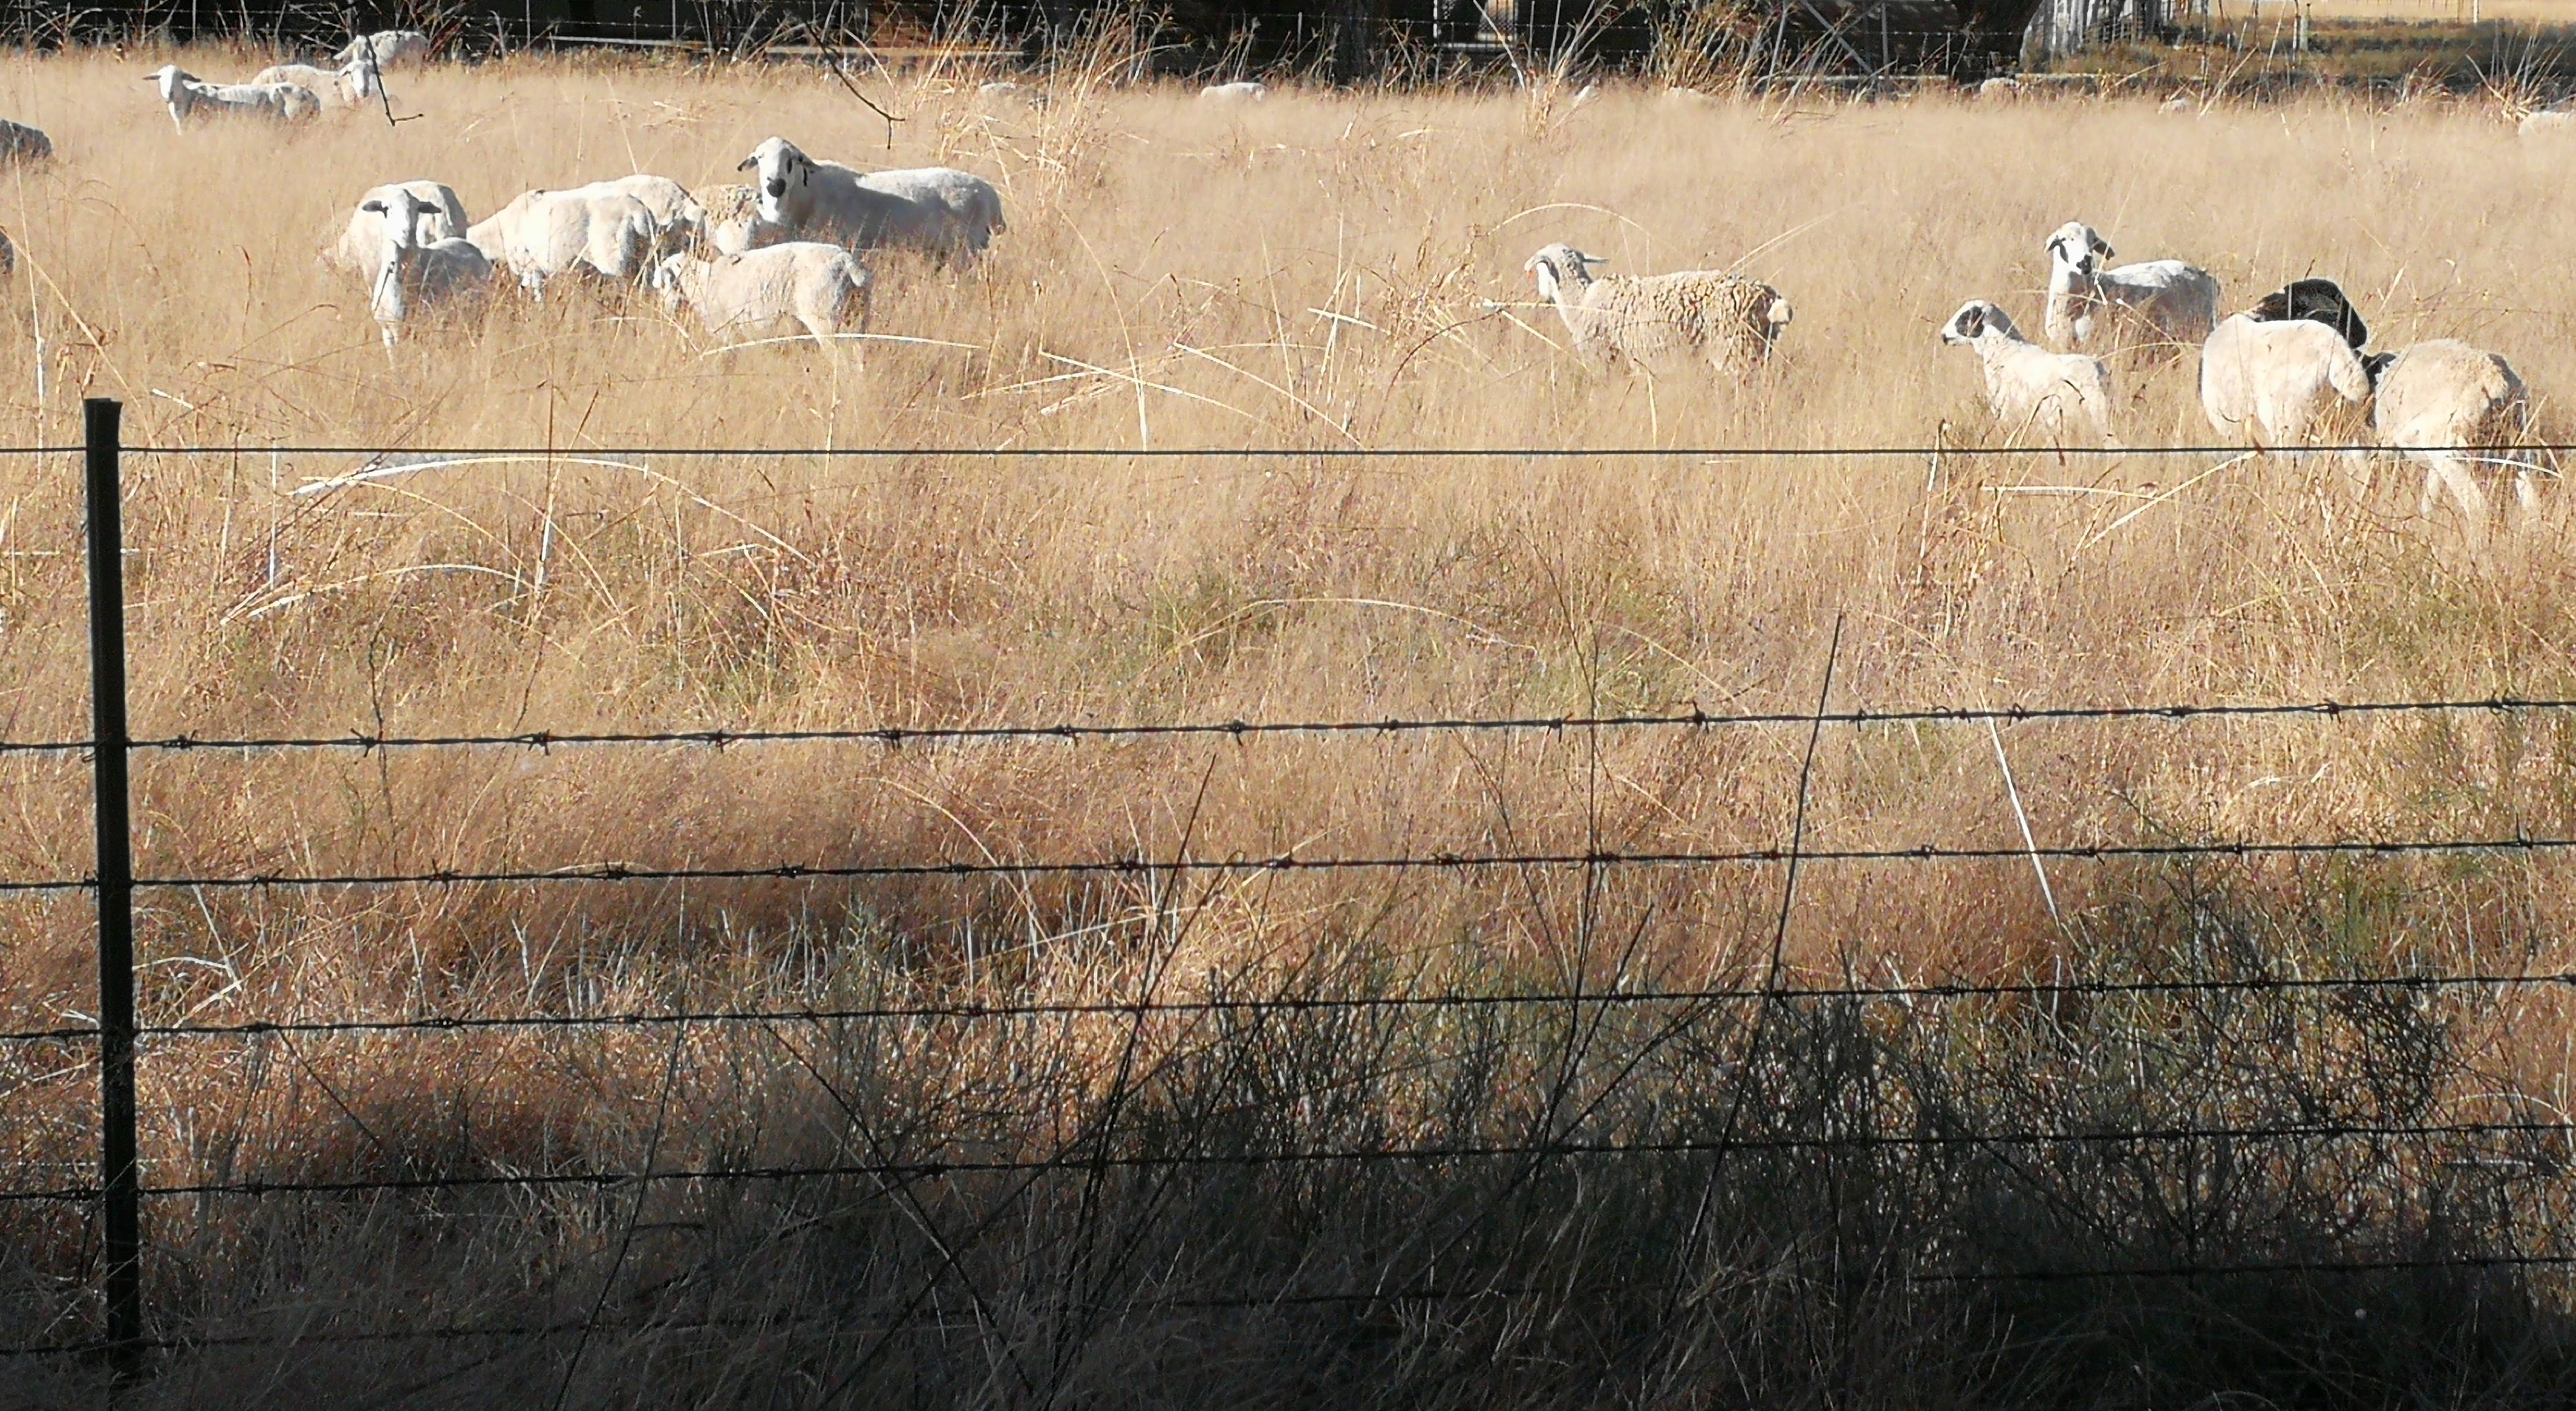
(120, 1183)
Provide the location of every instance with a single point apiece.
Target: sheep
(1998, 90)
(2546, 122)
(820, 287)
(360, 246)
(542, 234)
(1246, 91)
(21, 143)
(2277, 378)
(1728, 319)
(188, 96)
(392, 49)
(411, 274)
(346, 86)
(2437, 396)
(2026, 385)
(974, 208)
(807, 199)
(2173, 304)
(731, 220)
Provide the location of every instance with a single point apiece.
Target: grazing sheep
(411, 276)
(21, 143)
(732, 220)
(776, 289)
(1246, 91)
(2277, 378)
(811, 200)
(2026, 385)
(2169, 304)
(542, 234)
(191, 98)
(1728, 319)
(392, 49)
(360, 246)
(2438, 396)
(347, 86)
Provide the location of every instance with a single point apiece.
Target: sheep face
(1974, 320)
(403, 213)
(1559, 267)
(169, 77)
(781, 167)
(2078, 249)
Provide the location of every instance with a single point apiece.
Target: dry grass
(1316, 272)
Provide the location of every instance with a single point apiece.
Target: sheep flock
(785, 256)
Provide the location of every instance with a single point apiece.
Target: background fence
(2415, 1172)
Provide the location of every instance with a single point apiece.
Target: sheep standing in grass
(1246, 91)
(361, 243)
(2287, 371)
(2028, 387)
(21, 143)
(776, 289)
(191, 99)
(2164, 304)
(412, 277)
(543, 234)
(347, 86)
(811, 200)
(389, 48)
(2435, 398)
(1727, 319)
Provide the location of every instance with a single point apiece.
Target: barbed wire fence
(122, 1188)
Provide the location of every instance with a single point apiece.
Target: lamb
(1728, 319)
(410, 275)
(2026, 385)
(347, 86)
(542, 234)
(2439, 396)
(731, 220)
(360, 246)
(2172, 304)
(806, 283)
(392, 49)
(811, 200)
(1247, 91)
(2288, 370)
(189, 97)
(21, 143)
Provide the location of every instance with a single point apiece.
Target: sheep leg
(2444, 472)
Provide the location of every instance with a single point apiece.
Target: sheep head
(1974, 320)
(1560, 266)
(169, 76)
(781, 166)
(403, 211)
(2078, 249)
(2318, 301)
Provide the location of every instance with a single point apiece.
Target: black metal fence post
(120, 1183)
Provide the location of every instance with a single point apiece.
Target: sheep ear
(376, 206)
(747, 164)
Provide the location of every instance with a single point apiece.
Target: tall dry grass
(1318, 272)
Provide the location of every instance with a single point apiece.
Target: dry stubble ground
(1314, 272)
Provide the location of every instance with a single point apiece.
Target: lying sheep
(21, 143)
(361, 243)
(1246, 91)
(2276, 378)
(190, 98)
(776, 289)
(543, 234)
(2437, 397)
(347, 86)
(811, 200)
(412, 277)
(974, 208)
(1728, 319)
(390, 48)
(2027, 386)
(2170, 305)
(732, 220)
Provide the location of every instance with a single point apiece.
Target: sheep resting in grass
(2289, 370)
(543, 234)
(811, 200)
(360, 246)
(2435, 398)
(1654, 319)
(412, 276)
(191, 99)
(776, 289)
(1244, 91)
(2027, 386)
(2166, 305)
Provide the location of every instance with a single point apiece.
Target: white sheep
(21, 143)
(361, 242)
(543, 234)
(411, 276)
(1245, 91)
(2548, 122)
(191, 98)
(2027, 386)
(2434, 398)
(731, 219)
(1652, 319)
(811, 200)
(778, 288)
(2170, 305)
(392, 49)
(974, 208)
(347, 86)
(2287, 371)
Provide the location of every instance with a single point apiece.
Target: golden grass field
(1321, 271)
